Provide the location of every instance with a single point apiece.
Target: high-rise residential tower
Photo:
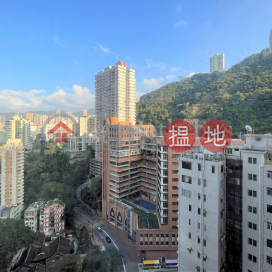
(18, 128)
(87, 125)
(270, 40)
(12, 169)
(115, 93)
(217, 63)
(85, 113)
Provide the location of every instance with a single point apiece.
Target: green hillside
(240, 96)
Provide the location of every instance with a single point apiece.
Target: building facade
(217, 63)
(115, 93)
(31, 216)
(87, 125)
(12, 169)
(18, 128)
(202, 212)
(52, 218)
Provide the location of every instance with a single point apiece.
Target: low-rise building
(31, 217)
(53, 222)
(13, 212)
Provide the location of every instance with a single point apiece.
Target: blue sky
(51, 50)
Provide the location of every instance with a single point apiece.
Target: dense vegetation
(109, 260)
(92, 194)
(14, 235)
(50, 173)
(241, 95)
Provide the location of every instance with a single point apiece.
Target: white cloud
(151, 83)
(128, 58)
(76, 62)
(56, 40)
(150, 63)
(104, 49)
(175, 70)
(179, 7)
(192, 73)
(170, 77)
(20, 101)
(180, 23)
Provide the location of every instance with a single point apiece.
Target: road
(86, 218)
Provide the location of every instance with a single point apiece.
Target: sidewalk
(129, 245)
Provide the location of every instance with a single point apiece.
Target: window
(269, 225)
(174, 171)
(174, 195)
(199, 167)
(269, 174)
(269, 208)
(173, 243)
(174, 179)
(190, 207)
(174, 163)
(150, 234)
(198, 240)
(162, 243)
(204, 242)
(255, 177)
(175, 187)
(174, 219)
(204, 198)
(250, 176)
(157, 235)
(166, 243)
(190, 235)
(141, 243)
(198, 211)
(252, 258)
(198, 255)
(157, 243)
(269, 191)
(186, 165)
(175, 155)
(173, 235)
(213, 169)
(199, 182)
(150, 243)
(186, 193)
(222, 214)
(199, 196)
(141, 234)
(252, 193)
(146, 234)
(167, 235)
(175, 203)
(252, 160)
(269, 260)
(252, 242)
(198, 225)
(146, 243)
(222, 168)
(252, 225)
(189, 221)
(174, 211)
(269, 243)
(252, 209)
(186, 179)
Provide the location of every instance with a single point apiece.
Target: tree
(14, 235)
(109, 260)
(67, 264)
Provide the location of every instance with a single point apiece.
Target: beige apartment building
(12, 169)
(217, 63)
(18, 128)
(114, 97)
(87, 125)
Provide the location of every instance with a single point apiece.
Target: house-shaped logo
(61, 137)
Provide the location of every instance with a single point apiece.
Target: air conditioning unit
(229, 171)
(189, 249)
(204, 257)
(204, 212)
(269, 175)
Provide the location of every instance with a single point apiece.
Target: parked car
(108, 239)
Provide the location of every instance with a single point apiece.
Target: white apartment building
(87, 125)
(217, 63)
(257, 203)
(115, 93)
(270, 40)
(201, 224)
(12, 169)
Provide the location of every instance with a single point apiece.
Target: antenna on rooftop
(248, 128)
